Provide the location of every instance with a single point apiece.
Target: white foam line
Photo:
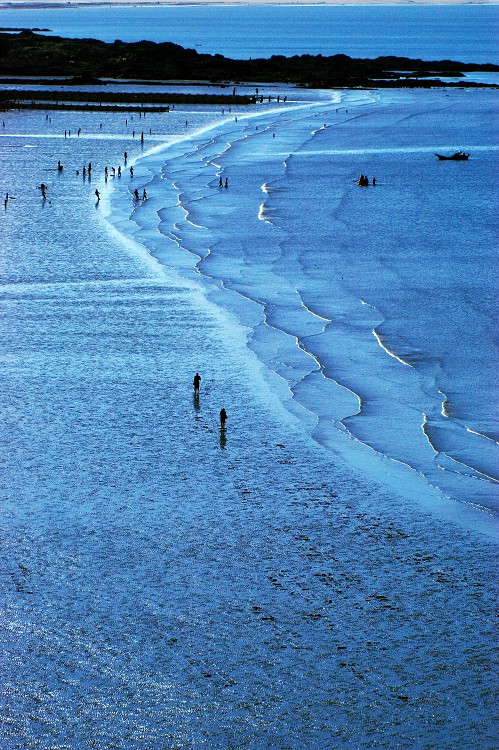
(482, 476)
(261, 215)
(380, 342)
(423, 426)
(480, 434)
(316, 315)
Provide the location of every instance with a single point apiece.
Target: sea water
(375, 307)
(321, 574)
(467, 33)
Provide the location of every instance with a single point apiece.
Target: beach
(277, 584)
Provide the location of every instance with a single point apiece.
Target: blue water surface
(468, 33)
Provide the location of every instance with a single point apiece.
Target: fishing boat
(458, 156)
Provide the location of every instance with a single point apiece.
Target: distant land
(21, 28)
(29, 54)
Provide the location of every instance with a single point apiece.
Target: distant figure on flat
(136, 194)
(97, 195)
(223, 418)
(59, 166)
(196, 382)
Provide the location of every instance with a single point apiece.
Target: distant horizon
(106, 3)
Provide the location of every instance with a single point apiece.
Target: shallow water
(167, 585)
(376, 306)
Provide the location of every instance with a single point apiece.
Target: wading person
(196, 382)
(223, 418)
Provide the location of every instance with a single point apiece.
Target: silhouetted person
(220, 182)
(97, 195)
(196, 382)
(223, 418)
(374, 180)
(136, 194)
(226, 182)
(59, 166)
(131, 171)
(144, 196)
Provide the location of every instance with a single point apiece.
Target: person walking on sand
(131, 171)
(223, 418)
(220, 182)
(136, 194)
(97, 195)
(196, 382)
(226, 182)
(144, 196)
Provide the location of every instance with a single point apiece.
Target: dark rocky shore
(30, 54)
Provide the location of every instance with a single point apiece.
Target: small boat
(458, 156)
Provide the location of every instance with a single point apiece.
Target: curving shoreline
(197, 228)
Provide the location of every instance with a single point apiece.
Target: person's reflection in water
(195, 401)
(223, 439)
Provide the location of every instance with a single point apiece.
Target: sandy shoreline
(167, 587)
